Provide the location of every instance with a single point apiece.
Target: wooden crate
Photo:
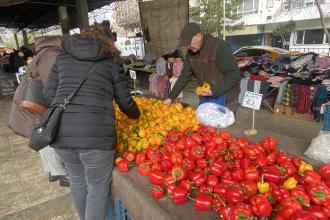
(288, 111)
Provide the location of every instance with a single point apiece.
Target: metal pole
(224, 18)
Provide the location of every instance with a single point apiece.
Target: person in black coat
(86, 138)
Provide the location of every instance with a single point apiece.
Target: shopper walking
(86, 137)
(22, 121)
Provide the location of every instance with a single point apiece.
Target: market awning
(37, 14)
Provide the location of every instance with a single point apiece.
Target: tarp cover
(162, 21)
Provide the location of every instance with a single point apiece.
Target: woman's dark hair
(103, 34)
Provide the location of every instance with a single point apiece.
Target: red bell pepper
(176, 158)
(166, 165)
(227, 212)
(226, 178)
(188, 164)
(212, 180)
(280, 193)
(238, 174)
(319, 193)
(206, 189)
(156, 167)
(324, 171)
(245, 163)
(197, 151)
(140, 158)
(242, 211)
(261, 161)
(186, 184)
(157, 192)
(250, 152)
(190, 142)
(168, 179)
(201, 163)
(297, 161)
(236, 152)
(249, 188)
(170, 188)
(234, 194)
(178, 173)
(289, 207)
(300, 195)
(220, 189)
(122, 165)
(317, 212)
(271, 174)
(225, 135)
(144, 169)
(198, 177)
(217, 167)
(291, 169)
(271, 158)
(156, 177)
(282, 157)
(251, 173)
(260, 206)
(203, 202)
(303, 215)
(311, 177)
(242, 142)
(180, 195)
(269, 144)
(155, 157)
(129, 156)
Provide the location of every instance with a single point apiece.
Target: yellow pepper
(263, 186)
(305, 166)
(290, 183)
(118, 159)
(199, 90)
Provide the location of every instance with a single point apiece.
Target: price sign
(252, 100)
(132, 74)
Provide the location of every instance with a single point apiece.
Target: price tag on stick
(132, 73)
(252, 100)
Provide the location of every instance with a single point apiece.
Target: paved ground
(25, 192)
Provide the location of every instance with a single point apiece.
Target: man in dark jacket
(211, 61)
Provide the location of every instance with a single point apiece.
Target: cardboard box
(289, 111)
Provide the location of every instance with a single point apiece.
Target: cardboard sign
(252, 100)
(132, 73)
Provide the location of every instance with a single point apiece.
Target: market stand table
(142, 74)
(135, 192)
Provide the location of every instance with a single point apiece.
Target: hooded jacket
(88, 122)
(21, 121)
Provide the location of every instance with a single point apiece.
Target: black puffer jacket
(89, 121)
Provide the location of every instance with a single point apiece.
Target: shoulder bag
(45, 133)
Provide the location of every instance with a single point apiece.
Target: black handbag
(45, 133)
(33, 101)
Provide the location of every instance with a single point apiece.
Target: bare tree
(323, 22)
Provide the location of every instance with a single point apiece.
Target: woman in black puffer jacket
(87, 135)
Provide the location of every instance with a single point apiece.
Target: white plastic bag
(320, 147)
(214, 115)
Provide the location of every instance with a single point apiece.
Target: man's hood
(83, 48)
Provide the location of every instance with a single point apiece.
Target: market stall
(298, 84)
(172, 167)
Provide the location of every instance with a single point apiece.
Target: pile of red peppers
(233, 177)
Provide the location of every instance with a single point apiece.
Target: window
(300, 36)
(314, 36)
(247, 53)
(248, 7)
(297, 3)
(309, 3)
(270, 4)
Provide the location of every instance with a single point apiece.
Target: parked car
(254, 52)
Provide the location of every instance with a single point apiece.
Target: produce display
(155, 122)
(231, 176)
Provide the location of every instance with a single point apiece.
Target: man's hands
(167, 101)
(204, 92)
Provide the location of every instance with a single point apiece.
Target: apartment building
(261, 17)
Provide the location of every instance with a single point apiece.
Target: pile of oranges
(155, 122)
